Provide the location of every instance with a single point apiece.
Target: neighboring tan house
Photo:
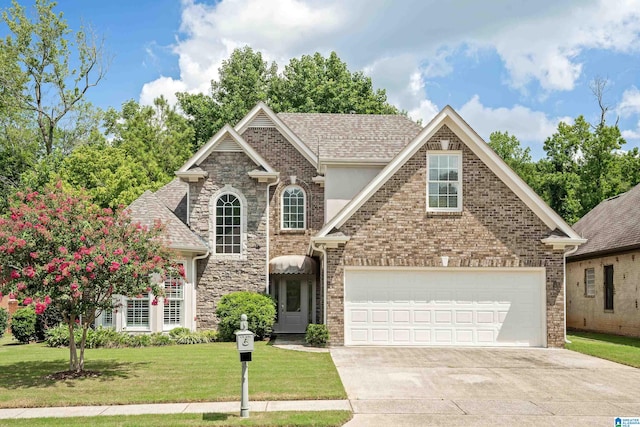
(603, 276)
(389, 233)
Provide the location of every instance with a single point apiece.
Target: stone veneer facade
(219, 275)
(494, 229)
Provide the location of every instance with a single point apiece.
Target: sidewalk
(176, 408)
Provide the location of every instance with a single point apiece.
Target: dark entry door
(608, 287)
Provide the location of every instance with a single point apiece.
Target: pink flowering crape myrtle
(57, 248)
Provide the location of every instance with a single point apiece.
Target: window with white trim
(173, 302)
(138, 313)
(444, 181)
(107, 319)
(589, 282)
(228, 235)
(293, 208)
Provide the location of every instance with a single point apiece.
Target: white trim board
(448, 116)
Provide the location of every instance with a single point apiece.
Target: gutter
(564, 275)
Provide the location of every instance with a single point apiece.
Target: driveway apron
(472, 386)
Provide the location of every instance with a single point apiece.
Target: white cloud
(527, 125)
(630, 103)
(163, 86)
(537, 41)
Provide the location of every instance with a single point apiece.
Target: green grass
(179, 373)
(266, 419)
(625, 350)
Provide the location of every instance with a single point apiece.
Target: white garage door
(441, 307)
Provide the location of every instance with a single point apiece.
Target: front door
(293, 305)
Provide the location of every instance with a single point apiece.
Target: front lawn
(625, 350)
(178, 373)
(263, 419)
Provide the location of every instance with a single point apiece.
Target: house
(389, 233)
(603, 275)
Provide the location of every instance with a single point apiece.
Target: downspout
(194, 271)
(564, 275)
(322, 249)
(266, 269)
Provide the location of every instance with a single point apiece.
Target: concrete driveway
(492, 387)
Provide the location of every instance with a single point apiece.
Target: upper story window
(228, 231)
(444, 181)
(589, 282)
(293, 208)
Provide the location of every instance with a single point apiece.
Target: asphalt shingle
(352, 136)
(612, 225)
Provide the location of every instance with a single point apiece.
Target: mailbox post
(244, 342)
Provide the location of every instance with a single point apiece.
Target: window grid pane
(293, 208)
(590, 282)
(228, 223)
(138, 313)
(174, 296)
(107, 318)
(444, 185)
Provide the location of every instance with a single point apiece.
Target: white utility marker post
(244, 341)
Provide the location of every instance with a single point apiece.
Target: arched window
(293, 208)
(228, 235)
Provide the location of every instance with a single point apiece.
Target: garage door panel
(477, 307)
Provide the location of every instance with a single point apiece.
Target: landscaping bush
(23, 325)
(4, 321)
(191, 338)
(176, 332)
(211, 335)
(317, 335)
(58, 336)
(50, 318)
(160, 339)
(139, 340)
(101, 337)
(259, 308)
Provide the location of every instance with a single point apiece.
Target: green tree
(46, 70)
(310, 84)
(59, 249)
(315, 84)
(156, 140)
(244, 79)
(518, 158)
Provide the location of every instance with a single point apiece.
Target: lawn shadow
(33, 373)
(216, 416)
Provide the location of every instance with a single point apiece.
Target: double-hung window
(173, 302)
(293, 208)
(138, 313)
(444, 181)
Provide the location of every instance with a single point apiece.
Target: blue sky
(519, 66)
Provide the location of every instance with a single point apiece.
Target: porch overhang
(293, 264)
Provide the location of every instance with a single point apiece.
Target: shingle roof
(352, 136)
(148, 208)
(174, 196)
(612, 225)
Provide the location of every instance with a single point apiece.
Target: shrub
(176, 332)
(50, 318)
(102, 337)
(4, 321)
(191, 338)
(317, 335)
(23, 324)
(141, 340)
(260, 310)
(57, 336)
(160, 339)
(210, 334)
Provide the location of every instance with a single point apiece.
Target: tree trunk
(82, 346)
(73, 351)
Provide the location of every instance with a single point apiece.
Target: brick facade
(494, 229)
(219, 275)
